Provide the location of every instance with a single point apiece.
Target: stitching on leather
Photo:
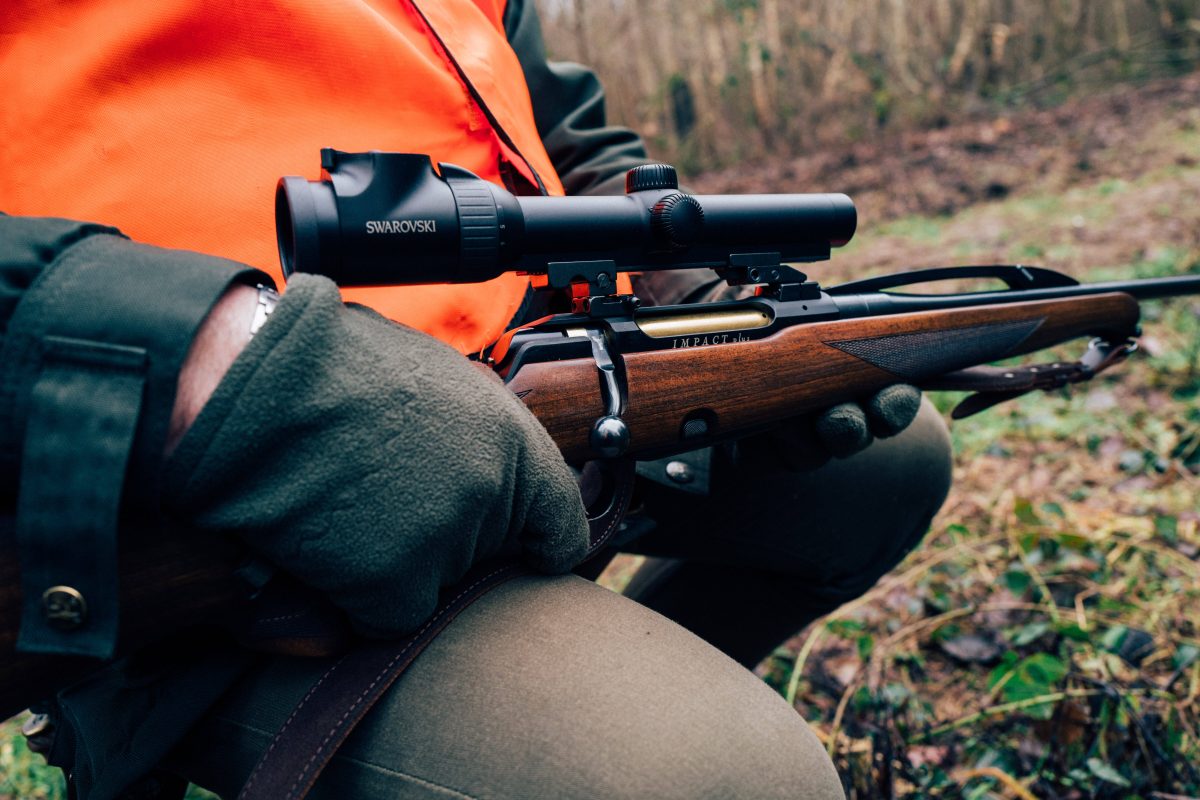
(619, 502)
(287, 723)
(380, 676)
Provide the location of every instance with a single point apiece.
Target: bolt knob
(676, 220)
(651, 176)
(609, 437)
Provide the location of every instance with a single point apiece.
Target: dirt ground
(1067, 155)
(940, 172)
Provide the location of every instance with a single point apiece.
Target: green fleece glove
(808, 442)
(372, 462)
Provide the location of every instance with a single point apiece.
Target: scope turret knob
(649, 177)
(676, 220)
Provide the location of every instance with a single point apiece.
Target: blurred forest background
(1044, 641)
(713, 83)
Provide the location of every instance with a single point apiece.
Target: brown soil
(1106, 181)
(940, 172)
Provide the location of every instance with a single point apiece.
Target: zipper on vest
(478, 98)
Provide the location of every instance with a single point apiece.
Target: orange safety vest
(173, 120)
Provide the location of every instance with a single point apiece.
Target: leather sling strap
(994, 385)
(340, 698)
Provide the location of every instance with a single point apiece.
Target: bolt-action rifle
(612, 379)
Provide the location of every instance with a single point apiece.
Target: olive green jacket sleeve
(590, 155)
(96, 329)
(26, 249)
(77, 289)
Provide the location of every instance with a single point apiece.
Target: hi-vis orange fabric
(174, 119)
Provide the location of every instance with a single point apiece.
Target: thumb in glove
(810, 441)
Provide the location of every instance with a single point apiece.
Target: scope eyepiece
(390, 218)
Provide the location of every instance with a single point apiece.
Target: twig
(1145, 735)
(880, 650)
(1035, 575)
(998, 774)
(1193, 686)
(883, 587)
(1080, 612)
(1004, 708)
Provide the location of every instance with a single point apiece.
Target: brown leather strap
(997, 384)
(341, 697)
(349, 689)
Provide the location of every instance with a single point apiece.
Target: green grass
(24, 775)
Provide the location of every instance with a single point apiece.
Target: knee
(882, 502)
(558, 688)
(546, 687)
(915, 470)
(855, 518)
(909, 474)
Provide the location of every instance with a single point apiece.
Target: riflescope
(391, 218)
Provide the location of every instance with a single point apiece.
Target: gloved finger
(843, 429)
(893, 409)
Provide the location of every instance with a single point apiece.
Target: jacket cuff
(88, 373)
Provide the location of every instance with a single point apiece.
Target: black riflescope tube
(390, 218)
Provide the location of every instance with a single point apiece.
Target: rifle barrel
(875, 303)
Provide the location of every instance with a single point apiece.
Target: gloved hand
(810, 441)
(372, 462)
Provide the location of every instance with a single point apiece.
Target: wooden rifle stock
(744, 386)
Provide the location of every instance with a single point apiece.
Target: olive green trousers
(547, 687)
(557, 688)
(768, 551)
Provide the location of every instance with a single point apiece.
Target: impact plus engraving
(705, 341)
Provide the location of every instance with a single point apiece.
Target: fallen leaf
(973, 648)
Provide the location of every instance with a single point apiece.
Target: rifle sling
(340, 698)
(996, 384)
